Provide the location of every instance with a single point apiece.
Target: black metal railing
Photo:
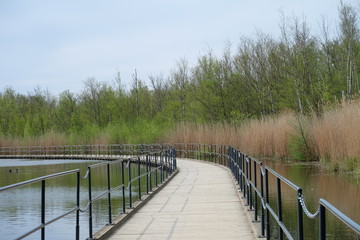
(43, 222)
(78, 150)
(247, 172)
(250, 174)
(155, 158)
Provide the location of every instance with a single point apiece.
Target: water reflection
(340, 190)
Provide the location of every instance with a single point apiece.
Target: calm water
(340, 190)
(20, 207)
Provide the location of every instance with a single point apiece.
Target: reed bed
(267, 137)
(333, 138)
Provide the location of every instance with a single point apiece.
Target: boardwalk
(201, 202)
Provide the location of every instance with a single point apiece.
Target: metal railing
(155, 158)
(44, 223)
(78, 150)
(247, 172)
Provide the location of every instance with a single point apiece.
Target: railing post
(199, 150)
(43, 209)
(129, 182)
(150, 175)
(109, 193)
(278, 184)
(90, 205)
(171, 162)
(247, 181)
(162, 166)
(147, 174)
(249, 187)
(241, 170)
(244, 174)
(156, 173)
(322, 223)
(77, 228)
(262, 207)
(238, 168)
(175, 161)
(123, 186)
(139, 179)
(267, 202)
(255, 195)
(300, 216)
(167, 164)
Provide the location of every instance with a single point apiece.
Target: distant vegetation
(300, 73)
(332, 138)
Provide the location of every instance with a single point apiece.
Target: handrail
(154, 157)
(39, 179)
(345, 219)
(246, 171)
(43, 199)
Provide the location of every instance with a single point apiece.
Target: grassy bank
(333, 139)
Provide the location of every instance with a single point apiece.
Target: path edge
(255, 226)
(106, 231)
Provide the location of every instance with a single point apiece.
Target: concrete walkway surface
(201, 202)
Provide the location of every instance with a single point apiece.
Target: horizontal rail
(250, 174)
(39, 179)
(345, 219)
(157, 159)
(285, 180)
(248, 171)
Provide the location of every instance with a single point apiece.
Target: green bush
(301, 146)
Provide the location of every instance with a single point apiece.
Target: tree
(349, 37)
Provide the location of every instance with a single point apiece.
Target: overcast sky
(59, 44)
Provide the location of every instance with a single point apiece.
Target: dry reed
(335, 136)
(267, 137)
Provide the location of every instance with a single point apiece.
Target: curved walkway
(201, 202)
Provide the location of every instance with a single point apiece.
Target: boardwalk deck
(201, 202)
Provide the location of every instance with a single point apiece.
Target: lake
(20, 207)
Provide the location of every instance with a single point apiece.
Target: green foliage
(300, 144)
(139, 131)
(297, 148)
(350, 164)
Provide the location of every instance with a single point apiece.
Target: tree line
(297, 71)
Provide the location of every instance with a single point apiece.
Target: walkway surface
(201, 202)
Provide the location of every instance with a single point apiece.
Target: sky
(57, 45)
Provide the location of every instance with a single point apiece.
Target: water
(342, 191)
(20, 207)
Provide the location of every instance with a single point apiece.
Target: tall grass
(49, 139)
(267, 137)
(337, 137)
(333, 138)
